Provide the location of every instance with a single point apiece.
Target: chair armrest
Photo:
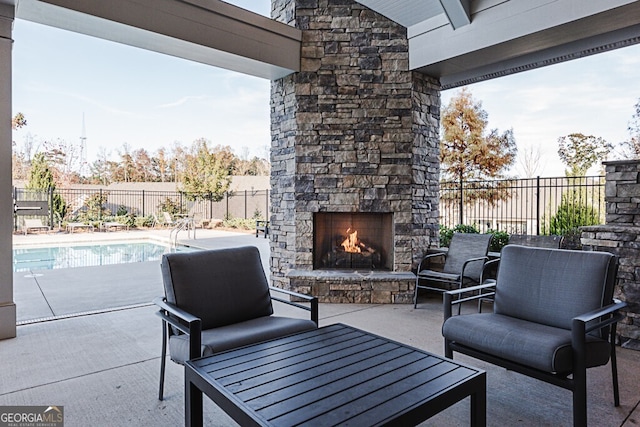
(313, 307)
(611, 309)
(449, 302)
(579, 329)
(486, 266)
(470, 260)
(427, 258)
(184, 321)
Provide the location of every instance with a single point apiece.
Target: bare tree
(529, 162)
(631, 148)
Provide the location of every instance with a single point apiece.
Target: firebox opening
(353, 241)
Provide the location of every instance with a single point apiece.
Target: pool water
(87, 255)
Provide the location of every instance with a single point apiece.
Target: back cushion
(465, 246)
(551, 286)
(220, 287)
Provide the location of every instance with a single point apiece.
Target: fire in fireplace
(353, 240)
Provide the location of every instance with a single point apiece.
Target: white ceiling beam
(508, 36)
(457, 11)
(211, 32)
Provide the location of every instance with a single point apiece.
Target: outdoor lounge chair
(220, 299)
(554, 316)
(72, 226)
(113, 226)
(34, 224)
(462, 264)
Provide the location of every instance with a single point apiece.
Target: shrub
(499, 240)
(446, 233)
(144, 221)
(239, 223)
(570, 215)
(169, 205)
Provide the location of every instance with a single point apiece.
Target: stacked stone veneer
(621, 236)
(353, 131)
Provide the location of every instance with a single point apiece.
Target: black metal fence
(105, 202)
(521, 206)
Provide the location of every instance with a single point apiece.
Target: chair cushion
(552, 286)
(531, 344)
(220, 287)
(463, 247)
(238, 335)
(438, 275)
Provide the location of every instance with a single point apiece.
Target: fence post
(15, 203)
(226, 214)
(461, 214)
(100, 207)
(538, 205)
(210, 205)
(51, 206)
(245, 204)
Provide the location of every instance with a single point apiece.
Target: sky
(124, 95)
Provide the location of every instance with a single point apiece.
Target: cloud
(182, 101)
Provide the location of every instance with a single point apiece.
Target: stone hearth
(353, 131)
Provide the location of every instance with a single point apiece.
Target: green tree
(207, 173)
(18, 121)
(467, 150)
(579, 152)
(41, 178)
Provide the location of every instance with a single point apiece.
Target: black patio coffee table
(334, 375)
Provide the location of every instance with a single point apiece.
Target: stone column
(621, 236)
(7, 306)
(354, 131)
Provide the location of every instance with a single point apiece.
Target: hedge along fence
(102, 202)
(524, 206)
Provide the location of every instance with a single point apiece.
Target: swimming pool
(87, 255)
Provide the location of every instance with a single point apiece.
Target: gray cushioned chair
(463, 263)
(554, 317)
(216, 300)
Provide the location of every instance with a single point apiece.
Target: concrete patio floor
(98, 352)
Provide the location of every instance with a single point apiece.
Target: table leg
(479, 405)
(193, 403)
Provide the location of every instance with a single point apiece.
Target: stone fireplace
(354, 146)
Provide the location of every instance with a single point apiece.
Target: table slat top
(335, 375)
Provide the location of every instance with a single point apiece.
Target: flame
(352, 243)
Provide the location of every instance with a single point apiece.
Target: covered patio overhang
(457, 42)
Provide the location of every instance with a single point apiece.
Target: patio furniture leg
(479, 406)
(163, 359)
(614, 367)
(193, 403)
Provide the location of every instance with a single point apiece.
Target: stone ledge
(351, 275)
(354, 286)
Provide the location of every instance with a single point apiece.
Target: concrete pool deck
(44, 294)
(103, 366)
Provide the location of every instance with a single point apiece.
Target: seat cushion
(238, 335)
(438, 275)
(531, 344)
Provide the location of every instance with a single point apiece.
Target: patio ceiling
(458, 41)
(465, 41)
